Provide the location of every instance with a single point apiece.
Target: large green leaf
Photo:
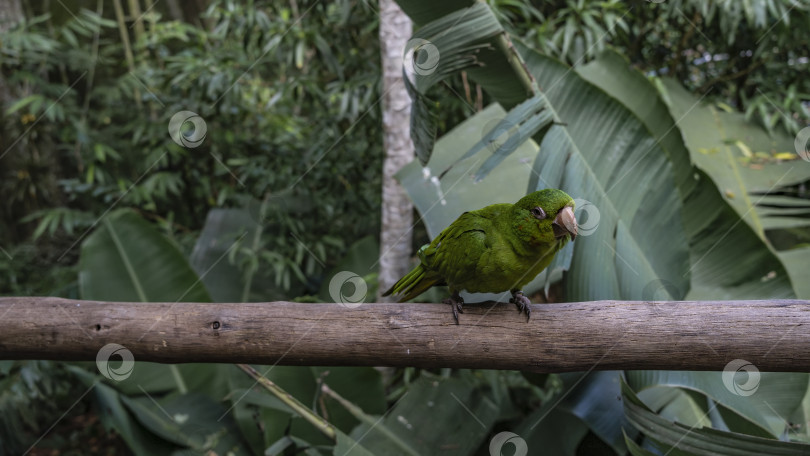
(441, 201)
(782, 209)
(222, 230)
(114, 415)
(226, 232)
(587, 401)
(562, 421)
(422, 12)
(447, 416)
(591, 397)
(604, 154)
(776, 398)
(361, 258)
(797, 262)
(190, 420)
(636, 450)
(522, 122)
(802, 415)
(676, 405)
(559, 433)
(725, 146)
(459, 35)
(728, 260)
(127, 259)
(667, 436)
(433, 54)
(347, 446)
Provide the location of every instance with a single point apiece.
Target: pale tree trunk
(397, 210)
(10, 14)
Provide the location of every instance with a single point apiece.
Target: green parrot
(500, 247)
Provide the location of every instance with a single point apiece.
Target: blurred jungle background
(680, 123)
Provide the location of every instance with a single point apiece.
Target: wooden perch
(579, 336)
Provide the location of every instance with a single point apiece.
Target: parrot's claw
(522, 303)
(455, 302)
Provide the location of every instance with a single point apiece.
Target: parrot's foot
(455, 302)
(522, 303)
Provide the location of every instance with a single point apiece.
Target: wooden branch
(580, 336)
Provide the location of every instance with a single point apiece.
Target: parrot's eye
(539, 213)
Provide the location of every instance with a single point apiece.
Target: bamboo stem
(122, 29)
(321, 424)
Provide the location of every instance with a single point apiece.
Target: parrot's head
(546, 217)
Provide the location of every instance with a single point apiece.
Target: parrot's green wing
(451, 258)
(455, 254)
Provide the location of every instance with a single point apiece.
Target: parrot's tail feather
(413, 284)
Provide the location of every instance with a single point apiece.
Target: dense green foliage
(749, 54)
(285, 188)
(282, 116)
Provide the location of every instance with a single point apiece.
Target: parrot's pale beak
(565, 223)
